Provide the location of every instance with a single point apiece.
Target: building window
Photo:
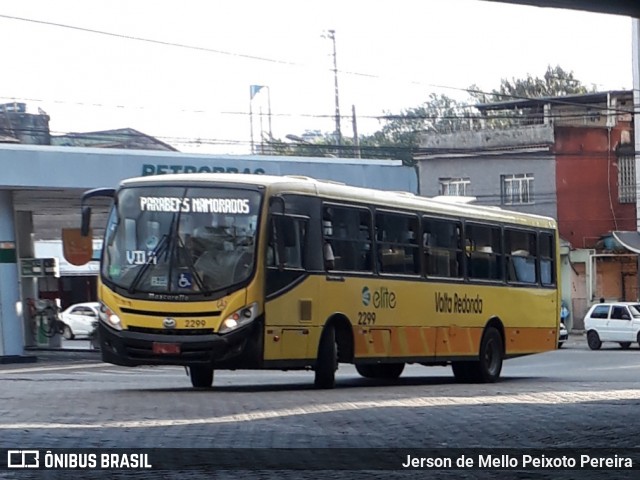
(454, 186)
(517, 189)
(627, 179)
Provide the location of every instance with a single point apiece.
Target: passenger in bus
(329, 257)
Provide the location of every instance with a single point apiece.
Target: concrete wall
(587, 185)
(487, 139)
(484, 173)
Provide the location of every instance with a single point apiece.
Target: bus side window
(484, 252)
(442, 247)
(547, 259)
(350, 238)
(286, 242)
(397, 249)
(520, 254)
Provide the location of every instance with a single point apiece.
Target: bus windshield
(187, 240)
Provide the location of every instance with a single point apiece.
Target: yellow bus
(233, 271)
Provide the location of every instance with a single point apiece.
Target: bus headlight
(110, 318)
(239, 318)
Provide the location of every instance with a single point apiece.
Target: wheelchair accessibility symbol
(184, 281)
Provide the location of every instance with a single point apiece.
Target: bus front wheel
(327, 362)
(201, 377)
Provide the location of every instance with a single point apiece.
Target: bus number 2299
(366, 318)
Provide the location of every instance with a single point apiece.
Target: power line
(383, 117)
(374, 151)
(146, 40)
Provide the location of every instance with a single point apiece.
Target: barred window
(517, 189)
(454, 186)
(627, 179)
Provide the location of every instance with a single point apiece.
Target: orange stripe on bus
(416, 344)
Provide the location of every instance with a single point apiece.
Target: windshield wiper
(176, 244)
(153, 257)
(192, 267)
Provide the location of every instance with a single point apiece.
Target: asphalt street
(573, 399)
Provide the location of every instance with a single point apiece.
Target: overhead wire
(271, 60)
(384, 117)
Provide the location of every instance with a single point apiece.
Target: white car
(79, 318)
(613, 322)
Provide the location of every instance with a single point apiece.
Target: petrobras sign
(160, 169)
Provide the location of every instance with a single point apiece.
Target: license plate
(166, 348)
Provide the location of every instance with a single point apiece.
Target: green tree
(400, 133)
(556, 82)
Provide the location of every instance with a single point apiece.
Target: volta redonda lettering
(149, 169)
(457, 304)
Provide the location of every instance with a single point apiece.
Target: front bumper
(130, 349)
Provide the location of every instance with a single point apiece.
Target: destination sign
(195, 205)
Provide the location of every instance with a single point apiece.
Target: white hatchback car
(613, 322)
(79, 318)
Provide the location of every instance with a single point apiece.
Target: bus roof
(331, 190)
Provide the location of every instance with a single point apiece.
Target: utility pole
(356, 140)
(331, 34)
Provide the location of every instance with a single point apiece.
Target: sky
(190, 85)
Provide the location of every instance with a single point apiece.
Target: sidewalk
(39, 357)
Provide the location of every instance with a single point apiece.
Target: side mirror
(86, 210)
(86, 220)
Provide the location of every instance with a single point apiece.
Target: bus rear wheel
(383, 370)
(488, 367)
(327, 361)
(201, 377)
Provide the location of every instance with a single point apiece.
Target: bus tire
(388, 371)
(365, 371)
(462, 371)
(488, 367)
(201, 376)
(491, 356)
(327, 361)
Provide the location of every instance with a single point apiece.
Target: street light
(296, 138)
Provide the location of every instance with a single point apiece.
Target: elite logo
(366, 296)
(380, 298)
